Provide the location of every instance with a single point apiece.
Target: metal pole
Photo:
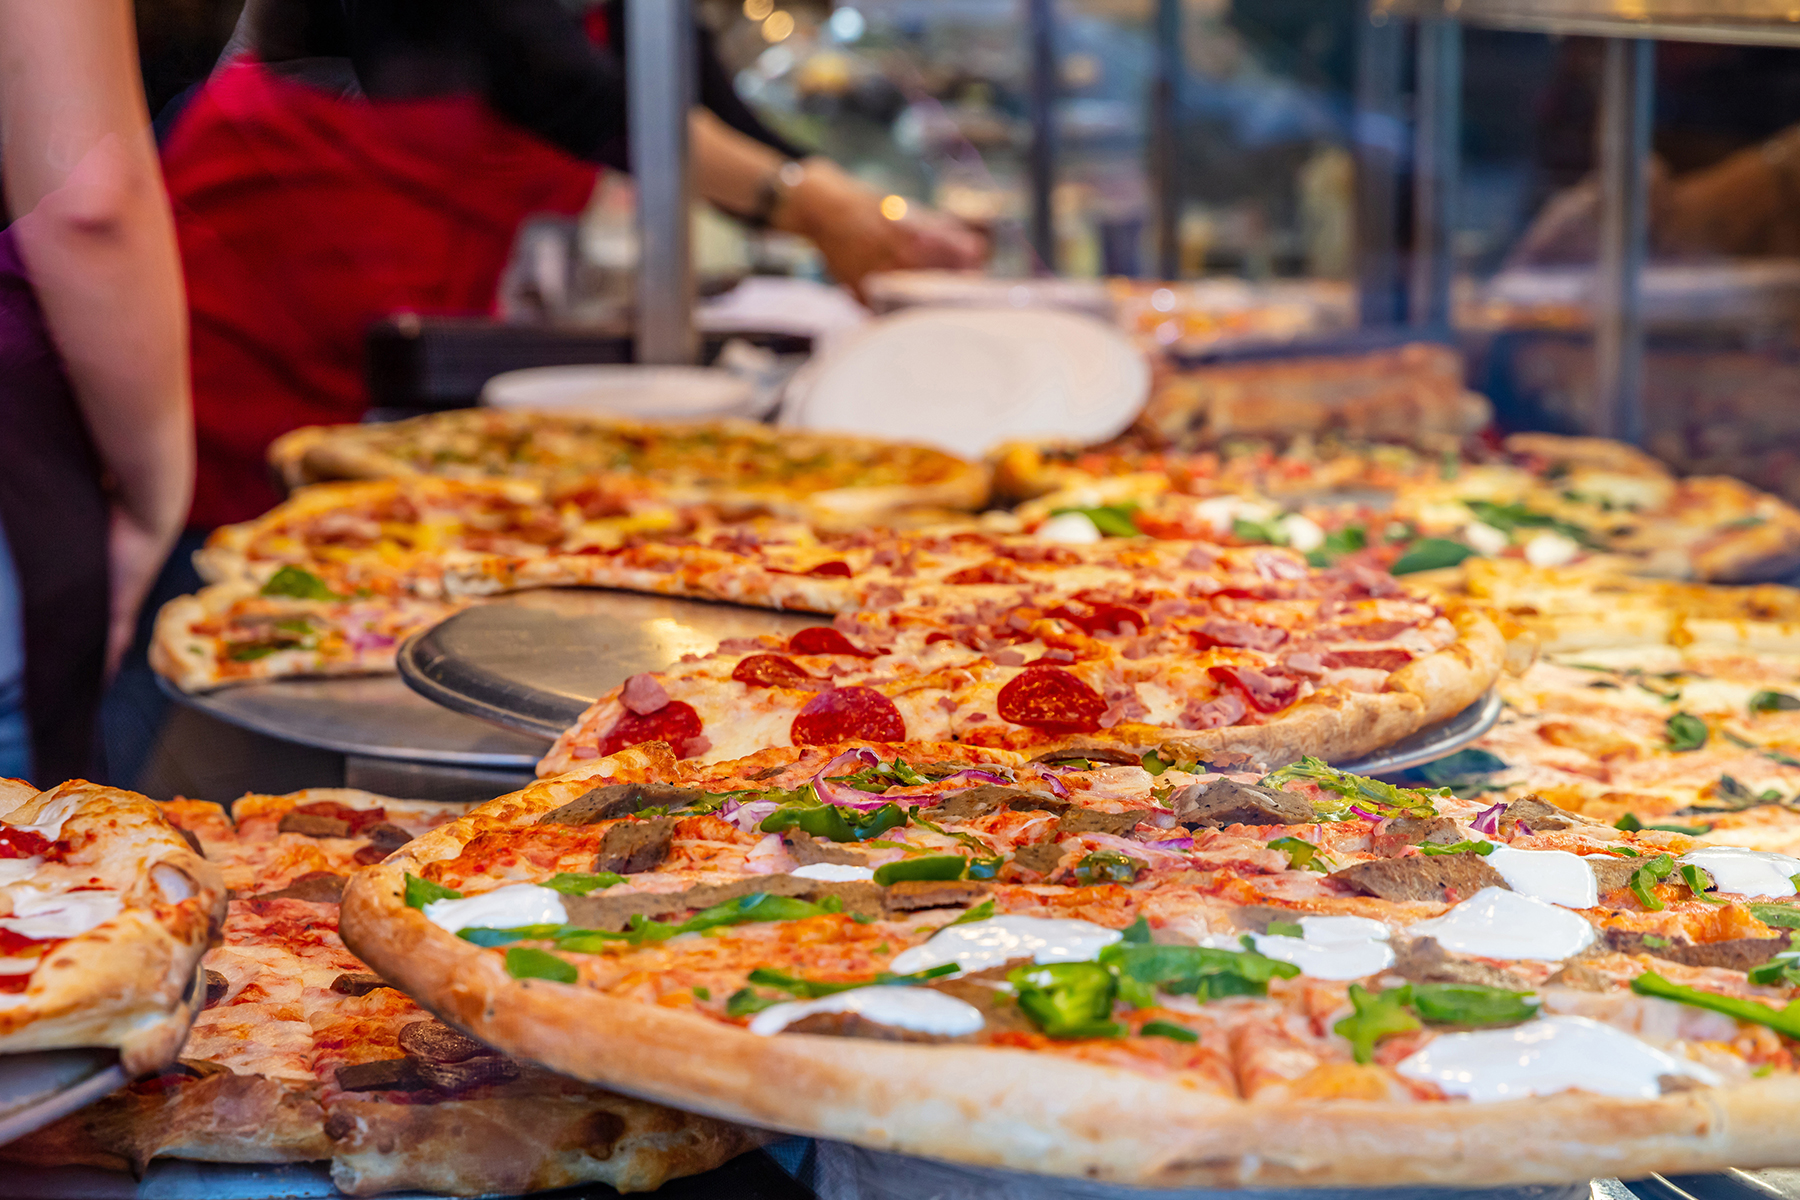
(1380, 141)
(1436, 151)
(659, 61)
(1165, 101)
(1625, 118)
(1040, 16)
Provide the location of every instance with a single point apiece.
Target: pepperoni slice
(823, 639)
(835, 569)
(772, 670)
(1101, 617)
(1051, 699)
(1222, 631)
(1380, 660)
(18, 981)
(1266, 693)
(22, 843)
(11, 943)
(848, 713)
(357, 818)
(675, 723)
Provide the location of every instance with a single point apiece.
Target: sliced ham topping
(774, 670)
(1223, 631)
(1375, 631)
(643, 695)
(1266, 693)
(1100, 617)
(675, 723)
(823, 639)
(843, 714)
(1051, 699)
(1227, 709)
(1379, 660)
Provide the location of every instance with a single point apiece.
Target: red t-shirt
(303, 218)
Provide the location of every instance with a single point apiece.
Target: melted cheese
(1545, 1056)
(1496, 923)
(38, 914)
(1073, 528)
(1746, 872)
(1553, 875)
(982, 944)
(918, 1009)
(503, 908)
(1332, 947)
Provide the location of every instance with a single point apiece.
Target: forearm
(95, 231)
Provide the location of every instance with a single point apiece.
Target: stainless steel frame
(659, 54)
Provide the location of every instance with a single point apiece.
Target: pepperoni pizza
(1117, 969)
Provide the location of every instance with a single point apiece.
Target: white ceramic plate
(967, 379)
(626, 390)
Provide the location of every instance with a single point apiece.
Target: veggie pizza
(1126, 969)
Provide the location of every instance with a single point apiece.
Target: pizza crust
(132, 982)
(1038, 1113)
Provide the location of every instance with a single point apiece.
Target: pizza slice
(107, 910)
(302, 1053)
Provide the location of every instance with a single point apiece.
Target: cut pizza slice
(107, 912)
(303, 1054)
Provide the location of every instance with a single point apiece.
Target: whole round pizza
(1096, 964)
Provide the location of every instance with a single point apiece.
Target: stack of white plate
(627, 390)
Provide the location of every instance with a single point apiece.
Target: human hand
(135, 554)
(846, 220)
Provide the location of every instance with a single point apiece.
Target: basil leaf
(1370, 794)
(1431, 554)
(1685, 732)
(420, 892)
(1378, 1015)
(1262, 532)
(1107, 866)
(927, 867)
(1471, 1004)
(1136, 934)
(483, 935)
(1067, 1000)
(1483, 848)
(1167, 1029)
(758, 906)
(526, 962)
(702, 993)
(1785, 1021)
(1113, 520)
(1646, 877)
(1767, 702)
(572, 884)
(1302, 855)
(809, 989)
(300, 584)
(1291, 929)
(1630, 824)
(1338, 544)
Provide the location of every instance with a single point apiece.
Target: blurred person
(354, 158)
(94, 411)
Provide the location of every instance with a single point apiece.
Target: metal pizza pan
(1430, 743)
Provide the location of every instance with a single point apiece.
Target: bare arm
(97, 237)
(838, 214)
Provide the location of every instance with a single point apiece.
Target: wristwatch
(773, 191)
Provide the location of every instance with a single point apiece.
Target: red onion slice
(1488, 820)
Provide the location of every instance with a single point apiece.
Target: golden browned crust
(1030, 1112)
(131, 982)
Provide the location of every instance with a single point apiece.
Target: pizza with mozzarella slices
(1183, 646)
(302, 1053)
(832, 480)
(105, 911)
(1124, 969)
(1537, 498)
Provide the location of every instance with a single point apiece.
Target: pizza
(1539, 498)
(1116, 968)
(302, 1053)
(832, 480)
(107, 911)
(1254, 655)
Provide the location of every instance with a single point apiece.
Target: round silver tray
(1430, 743)
(535, 664)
